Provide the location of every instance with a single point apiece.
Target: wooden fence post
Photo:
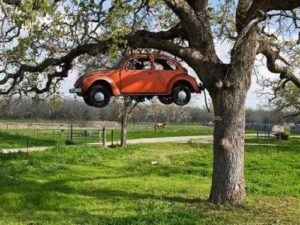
(71, 132)
(27, 143)
(112, 137)
(104, 137)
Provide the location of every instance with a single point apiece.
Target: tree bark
(124, 129)
(229, 96)
(129, 106)
(228, 183)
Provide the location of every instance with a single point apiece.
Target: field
(87, 185)
(21, 138)
(142, 184)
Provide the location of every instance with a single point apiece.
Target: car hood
(94, 73)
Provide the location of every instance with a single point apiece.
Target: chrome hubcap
(181, 95)
(99, 97)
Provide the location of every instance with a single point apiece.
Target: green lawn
(19, 140)
(294, 141)
(87, 185)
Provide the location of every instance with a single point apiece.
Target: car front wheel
(99, 96)
(181, 95)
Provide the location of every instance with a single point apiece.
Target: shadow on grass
(58, 197)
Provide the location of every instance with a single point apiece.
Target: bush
(281, 136)
(68, 142)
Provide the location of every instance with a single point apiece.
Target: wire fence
(32, 137)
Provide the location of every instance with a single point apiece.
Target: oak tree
(42, 41)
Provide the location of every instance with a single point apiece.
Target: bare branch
(142, 38)
(13, 2)
(272, 56)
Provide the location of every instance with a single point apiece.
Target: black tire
(166, 99)
(176, 98)
(138, 98)
(93, 96)
(87, 101)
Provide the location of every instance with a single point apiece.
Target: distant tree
(284, 101)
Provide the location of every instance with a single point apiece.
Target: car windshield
(118, 63)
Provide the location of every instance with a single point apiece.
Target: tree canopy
(41, 41)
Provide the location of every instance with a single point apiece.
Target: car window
(163, 64)
(119, 62)
(139, 64)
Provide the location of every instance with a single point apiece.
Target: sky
(253, 100)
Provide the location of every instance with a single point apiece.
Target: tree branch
(193, 15)
(35, 4)
(268, 5)
(13, 2)
(247, 9)
(141, 39)
(272, 56)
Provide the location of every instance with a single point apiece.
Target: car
(139, 76)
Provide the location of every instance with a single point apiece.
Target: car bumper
(75, 90)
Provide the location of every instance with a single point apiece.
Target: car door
(137, 76)
(164, 71)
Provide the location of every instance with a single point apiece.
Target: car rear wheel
(166, 99)
(99, 96)
(181, 95)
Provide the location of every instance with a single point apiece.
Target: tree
(42, 40)
(128, 108)
(284, 101)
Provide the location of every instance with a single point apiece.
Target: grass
(13, 140)
(20, 138)
(88, 185)
(293, 141)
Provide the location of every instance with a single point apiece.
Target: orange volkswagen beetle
(139, 76)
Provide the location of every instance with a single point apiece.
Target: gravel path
(181, 139)
(31, 149)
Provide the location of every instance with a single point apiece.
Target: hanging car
(139, 76)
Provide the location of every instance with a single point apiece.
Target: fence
(34, 137)
(296, 129)
(83, 136)
(262, 130)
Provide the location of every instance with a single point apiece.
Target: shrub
(281, 136)
(68, 142)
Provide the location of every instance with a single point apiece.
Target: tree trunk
(124, 128)
(228, 183)
(228, 96)
(129, 106)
